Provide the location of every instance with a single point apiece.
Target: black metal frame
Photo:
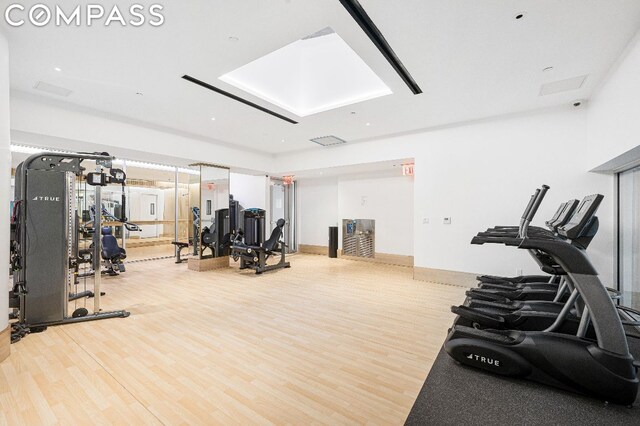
(237, 98)
(361, 17)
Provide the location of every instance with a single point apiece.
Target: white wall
(38, 122)
(386, 199)
(249, 190)
(481, 174)
(317, 209)
(5, 178)
(613, 119)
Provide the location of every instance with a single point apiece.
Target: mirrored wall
(210, 211)
(158, 205)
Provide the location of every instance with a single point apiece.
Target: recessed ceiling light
(233, 39)
(520, 15)
(213, 119)
(282, 140)
(57, 69)
(547, 69)
(368, 124)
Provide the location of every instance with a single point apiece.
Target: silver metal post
(97, 246)
(292, 216)
(561, 289)
(124, 228)
(564, 312)
(584, 322)
(176, 198)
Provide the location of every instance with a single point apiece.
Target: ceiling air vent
(562, 85)
(328, 140)
(54, 90)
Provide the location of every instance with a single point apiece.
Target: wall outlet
(425, 220)
(447, 221)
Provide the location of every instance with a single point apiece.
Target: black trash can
(333, 241)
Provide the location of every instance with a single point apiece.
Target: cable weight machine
(45, 253)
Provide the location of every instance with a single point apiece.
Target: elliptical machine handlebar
(532, 209)
(536, 203)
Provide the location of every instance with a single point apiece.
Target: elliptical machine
(599, 366)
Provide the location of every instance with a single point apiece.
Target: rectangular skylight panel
(315, 74)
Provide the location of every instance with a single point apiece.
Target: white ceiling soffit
(472, 59)
(52, 89)
(375, 169)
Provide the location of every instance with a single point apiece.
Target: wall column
(5, 186)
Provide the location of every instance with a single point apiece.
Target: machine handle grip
(530, 204)
(537, 202)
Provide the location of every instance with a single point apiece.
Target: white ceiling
(471, 58)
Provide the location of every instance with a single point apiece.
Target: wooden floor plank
(329, 341)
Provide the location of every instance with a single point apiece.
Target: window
(208, 209)
(629, 236)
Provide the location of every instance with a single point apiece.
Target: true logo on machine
(484, 360)
(46, 198)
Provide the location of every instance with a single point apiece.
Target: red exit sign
(287, 180)
(407, 169)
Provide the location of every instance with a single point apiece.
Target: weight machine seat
(274, 239)
(269, 245)
(110, 248)
(179, 244)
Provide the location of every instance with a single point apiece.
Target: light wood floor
(150, 252)
(329, 341)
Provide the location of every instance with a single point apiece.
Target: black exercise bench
(180, 247)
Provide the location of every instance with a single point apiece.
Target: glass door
(283, 207)
(629, 236)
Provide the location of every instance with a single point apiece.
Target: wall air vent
(562, 85)
(328, 140)
(51, 89)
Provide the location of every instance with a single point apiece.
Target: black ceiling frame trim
(237, 98)
(358, 13)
